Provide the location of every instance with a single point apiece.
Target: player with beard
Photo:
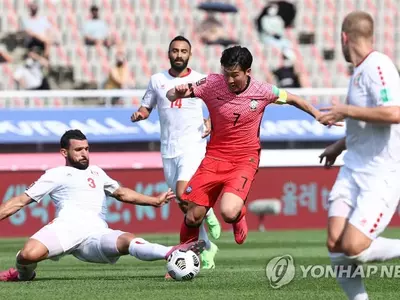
(183, 142)
(80, 229)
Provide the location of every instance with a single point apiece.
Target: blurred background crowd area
(119, 44)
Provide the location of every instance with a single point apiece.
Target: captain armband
(281, 94)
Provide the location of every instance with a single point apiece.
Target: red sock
(189, 234)
(242, 213)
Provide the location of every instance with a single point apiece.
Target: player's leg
(201, 193)
(42, 245)
(376, 205)
(188, 163)
(341, 201)
(236, 188)
(109, 245)
(233, 211)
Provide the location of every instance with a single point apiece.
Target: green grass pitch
(240, 273)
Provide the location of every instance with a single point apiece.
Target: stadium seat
(265, 207)
(146, 27)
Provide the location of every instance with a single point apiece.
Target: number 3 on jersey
(176, 103)
(92, 184)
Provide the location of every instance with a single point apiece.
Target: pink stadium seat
(12, 16)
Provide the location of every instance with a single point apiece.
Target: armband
(190, 85)
(281, 94)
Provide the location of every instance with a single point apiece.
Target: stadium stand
(146, 27)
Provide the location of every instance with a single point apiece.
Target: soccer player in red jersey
(236, 103)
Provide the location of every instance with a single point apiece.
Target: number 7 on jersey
(237, 116)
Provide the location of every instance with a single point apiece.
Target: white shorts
(181, 168)
(98, 245)
(368, 201)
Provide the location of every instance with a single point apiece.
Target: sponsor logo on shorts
(188, 190)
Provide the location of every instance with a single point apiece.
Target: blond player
(367, 190)
(183, 142)
(80, 229)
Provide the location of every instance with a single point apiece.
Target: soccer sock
(25, 272)
(381, 249)
(188, 234)
(209, 212)
(204, 236)
(143, 250)
(351, 284)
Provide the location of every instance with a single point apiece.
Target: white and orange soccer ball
(183, 265)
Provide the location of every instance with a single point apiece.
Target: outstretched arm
(130, 196)
(13, 205)
(378, 114)
(302, 104)
(180, 91)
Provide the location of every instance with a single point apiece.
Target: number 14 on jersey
(176, 103)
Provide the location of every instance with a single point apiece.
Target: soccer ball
(183, 265)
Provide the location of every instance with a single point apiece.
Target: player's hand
(330, 154)
(164, 198)
(180, 90)
(333, 115)
(137, 116)
(207, 130)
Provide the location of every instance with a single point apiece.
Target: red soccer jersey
(235, 118)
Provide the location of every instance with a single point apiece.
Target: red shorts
(215, 177)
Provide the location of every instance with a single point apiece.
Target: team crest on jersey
(253, 104)
(356, 80)
(188, 190)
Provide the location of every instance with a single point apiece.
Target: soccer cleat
(240, 230)
(213, 226)
(197, 247)
(12, 275)
(207, 257)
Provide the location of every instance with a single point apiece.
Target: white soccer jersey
(77, 194)
(373, 147)
(181, 121)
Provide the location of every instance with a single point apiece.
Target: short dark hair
(179, 38)
(73, 134)
(237, 56)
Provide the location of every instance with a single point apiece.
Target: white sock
(143, 250)
(25, 272)
(204, 236)
(353, 286)
(381, 249)
(209, 212)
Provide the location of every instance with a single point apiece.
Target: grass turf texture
(240, 273)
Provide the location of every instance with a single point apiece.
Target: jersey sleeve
(276, 95)
(110, 185)
(149, 99)
(200, 88)
(46, 184)
(383, 84)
